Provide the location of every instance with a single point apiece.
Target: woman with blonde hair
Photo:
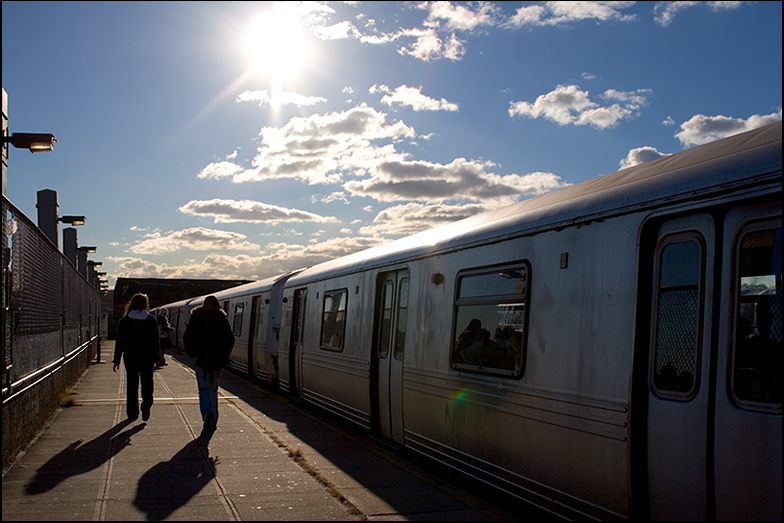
(138, 346)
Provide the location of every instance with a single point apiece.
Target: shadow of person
(171, 484)
(80, 458)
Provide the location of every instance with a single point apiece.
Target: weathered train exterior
(611, 350)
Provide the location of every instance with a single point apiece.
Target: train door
(748, 439)
(679, 377)
(714, 433)
(295, 344)
(389, 349)
(254, 312)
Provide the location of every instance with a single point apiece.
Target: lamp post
(96, 275)
(92, 270)
(48, 219)
(81, 264)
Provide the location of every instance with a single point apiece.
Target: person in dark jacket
(164, 328)
(209, 339)
(137, 345)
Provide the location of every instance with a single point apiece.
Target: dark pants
(136, 373)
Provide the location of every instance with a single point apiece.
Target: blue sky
(246, 139)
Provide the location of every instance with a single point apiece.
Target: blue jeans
(208, 381)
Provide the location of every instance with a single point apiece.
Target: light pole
(82, 259)
(48, 219)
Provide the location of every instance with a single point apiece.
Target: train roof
(253, 287)
(750, 157)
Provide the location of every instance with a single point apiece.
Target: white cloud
(195, 239)
(320, 148)
(338, 31)
(413, 97)
(700, 129)
(276, 258)
(337, 196)
(641, 155)
(461, 17)
(285, 98)
(326, 149)
(232, 211)
(435, 37)
(219, 170)
(430, 46)
(556, 13)
(412, 217)
(664, 12)
(461, 179)
(568, 104)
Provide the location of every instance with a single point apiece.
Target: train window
(677, 316)
(333, 320)
(491, 317)
(386, 320)
(402, 318)
(756, 380)
(237, 329)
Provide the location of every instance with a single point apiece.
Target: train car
(254, 312)
(178, 314)
(610, 350)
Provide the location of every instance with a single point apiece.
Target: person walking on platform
(164, 328)
(138, 346)
(209, 339)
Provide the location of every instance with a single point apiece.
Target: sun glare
(277, 43)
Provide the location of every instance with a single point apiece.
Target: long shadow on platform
(78, 459)
(171, 484)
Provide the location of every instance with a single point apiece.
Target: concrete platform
(269, 459)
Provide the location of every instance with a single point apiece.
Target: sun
(276, 42)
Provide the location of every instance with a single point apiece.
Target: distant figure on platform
(209, 339)
(137, 345)
(164, 328)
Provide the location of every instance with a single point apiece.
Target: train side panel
(559, 433)
(336, 349)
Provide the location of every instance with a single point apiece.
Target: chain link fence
(51, 313)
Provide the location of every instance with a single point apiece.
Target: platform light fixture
(35, 142)
(73, 220)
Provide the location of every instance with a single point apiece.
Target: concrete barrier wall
(27, 412)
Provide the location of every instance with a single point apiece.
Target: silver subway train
(610, 350)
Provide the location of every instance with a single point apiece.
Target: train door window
(677, 310)
(756, 373)
(237, 328)
(386, 320)
(261, 320)
(333, 320)
(402, 317)
(491, 315)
